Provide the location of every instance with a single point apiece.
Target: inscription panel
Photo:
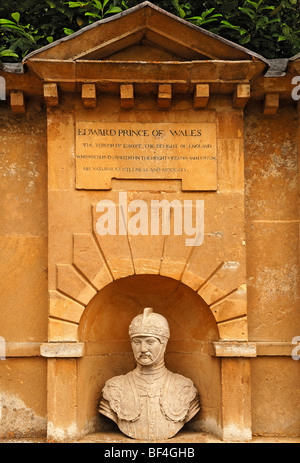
(132, 150)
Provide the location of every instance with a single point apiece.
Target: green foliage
(268, 27)
(30, 25)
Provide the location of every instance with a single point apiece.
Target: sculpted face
(147, 350)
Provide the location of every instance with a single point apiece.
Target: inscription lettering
(184, 151)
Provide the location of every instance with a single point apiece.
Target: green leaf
(231, 26)
(49, 39)
(8, 53)
(206, 21)
(206, 13)
(51, 4)
(281, 38)
(68, 31)
(245, 39)
(94, 15)
(12, 26)
(16, 17)
(114, 9)
(252, 4)
(77, 4)
(7, 21)
(248, 12)
(98, 4)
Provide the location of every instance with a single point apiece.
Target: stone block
(23, 265)
(51, 94)
(60, 133)
(273, 280)
(88, 259)
(71, 283)
(62, 331)
(89, 95)
(230, 124)
(62, 399)
(231, 165)
(236, 399)
(235, 330)
(164, 98)
(23, 398)
(201, 96)
(17, 102)
(234, 349)
(62, 349)
(61, 307)
(127, 96)
(271, 104)
(241, 95)
(232, 306)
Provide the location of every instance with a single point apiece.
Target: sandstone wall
(23, 269)
(272, 235)
(272, 245)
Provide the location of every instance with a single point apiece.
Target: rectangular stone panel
(132, 150)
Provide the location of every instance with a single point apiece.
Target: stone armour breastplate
(144, 408)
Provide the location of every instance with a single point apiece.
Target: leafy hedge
(268, 27)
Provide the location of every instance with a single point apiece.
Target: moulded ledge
(234, 349)
(63, 349)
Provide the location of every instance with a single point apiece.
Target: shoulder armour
(121, 394)
(178, 395)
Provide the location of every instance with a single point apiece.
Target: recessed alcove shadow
(104, 330)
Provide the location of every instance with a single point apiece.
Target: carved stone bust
(150, 402)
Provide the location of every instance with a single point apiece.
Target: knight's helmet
(149, 323)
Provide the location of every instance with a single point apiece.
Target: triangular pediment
(143, 33)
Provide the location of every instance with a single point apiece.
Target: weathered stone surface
(235, 349)
(241, 95)
(62, 331)
(201, 96)
(134, 150)
(127, 96)
(62, 400)
(62, 350)
(51, 94)
(88, 259)
(64, 308)
(270, 410)
(89, 95)
(72, 284)
(239, 289)
(17, 102)
(236, 391)
(23, 414)
(24, 311)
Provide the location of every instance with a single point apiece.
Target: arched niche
(103, 328)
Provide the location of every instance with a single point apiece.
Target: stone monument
(149, 402)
